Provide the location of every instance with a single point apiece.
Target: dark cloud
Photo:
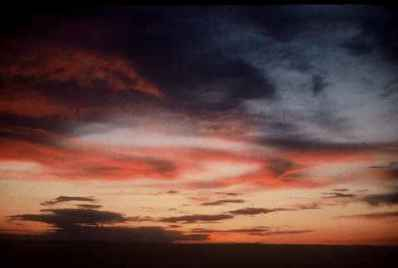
(34, 130)
(318, 84)
(90, 224)
(254, 230)
(69, 218)
(390, 198)
(361, 44)
(256, 211)
(315, 145)
(26, 135)
(172, 192)
(98, 170)
(146, 234)
(223, 201)
(217, 83)
(341, 190)
(390, 170)
(287, 232)
(120, 167)
(362, 190)
(63, 199)
(313, 205)
(140, 218)
(383, 30)
(228, 193)
(279, 166)
(336, 195)
(374, 216)
(89, 206)
(257, 231)
(196, 218)
(160, 165)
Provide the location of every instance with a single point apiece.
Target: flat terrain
(23, 253)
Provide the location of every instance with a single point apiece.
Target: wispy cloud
(389, 198)
(256, 231)
(373, 216)
(223, 202)
(195, 218)
(256, 211)
(63, 199)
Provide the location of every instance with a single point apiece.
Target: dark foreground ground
(91, 254)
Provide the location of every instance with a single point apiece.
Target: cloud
(254, 230)
(316, 99)
(360, 44)
(318, 84)
(373, 216)
(390, 198)
(287, 232)
(313, 205)
(341, 190)
(141, 219)
(174, 226)
(88, 206)
(87, 223)
(335, 195)
(228, 193)
(63, 199)
(256, 211)
(316, 145)
(257, 231)
(44, 132)
(145, 234)
(223, 201)
(172, 192)
(33, 104)
(87, 68)
(66, 218)
(195, 218)
(279, 166)
(390, 171)
(216, 82)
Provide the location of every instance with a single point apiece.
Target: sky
(220, 124)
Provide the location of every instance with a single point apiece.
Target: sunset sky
(201, 124)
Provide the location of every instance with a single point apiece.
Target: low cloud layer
(88, 223)
(374, 216)
(196, 218)
(257, 211)
(223, 202)
(256, 231)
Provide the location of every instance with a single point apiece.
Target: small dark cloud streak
(257, 211)
(382, 199)
(256, 231)
(195, 218)
(223, 201)
(63, 199)
(373, 216)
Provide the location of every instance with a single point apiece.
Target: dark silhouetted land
(32, 253)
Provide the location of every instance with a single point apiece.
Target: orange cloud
(85, 67)
(33, 105)
(177, 159)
